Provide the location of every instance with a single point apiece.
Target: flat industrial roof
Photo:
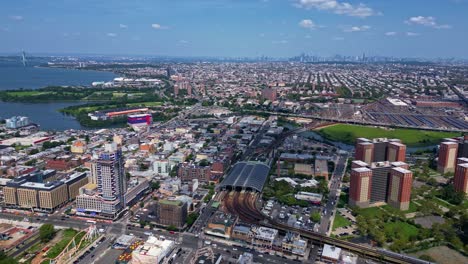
(247, 175)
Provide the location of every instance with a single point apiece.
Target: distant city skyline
(243, 28)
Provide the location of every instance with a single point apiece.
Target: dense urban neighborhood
(241, 162)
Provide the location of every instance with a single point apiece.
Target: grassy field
(404, 230)
(26, 93)
(348, 134)
(412, 208)
(90, 109)
(370, 212)
(340, 221)
(145, 104)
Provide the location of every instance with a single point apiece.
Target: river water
(14, 76)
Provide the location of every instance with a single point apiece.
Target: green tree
(204, 162)
(5, 259)
(46, 232)
(33, 151)
(155, 185)
(172, 228)
(71, 139)
(191, 218)
(31, 162)
(452, 196)
(315, 217)
(427, 258)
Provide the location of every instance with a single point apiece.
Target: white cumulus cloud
(112, 35)
(357, 28)
(412, 34)
(123, 26)
(428, 21)
(158, 26)
(307, 23)
(337, 7)
(390, 33)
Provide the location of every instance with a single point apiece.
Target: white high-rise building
(104, 196)
(17, 122)
(111, 182)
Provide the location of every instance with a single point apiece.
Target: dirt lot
(16, 235)
(443, 255)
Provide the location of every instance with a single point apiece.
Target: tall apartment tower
(360, 188)
(460, 181)
(463, 147)
(93, 172)
(447, 156)
(379, 149)
(364, 152)
(401, 181)
(111, 182)
(396, 152)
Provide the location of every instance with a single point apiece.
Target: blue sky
(402, 28)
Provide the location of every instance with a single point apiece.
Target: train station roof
(247, 175)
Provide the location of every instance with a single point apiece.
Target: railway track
(243, 205)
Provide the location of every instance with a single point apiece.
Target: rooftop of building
(398, 163)
(42, 186)
(241, 228)
(73, 177)
(360, 163)
(402, 170)
(171, 202)
(362, 169)
(266, 233)
(380, 164)
(399, 144)
(331, 252)
(154, 247)
(247, 175)
(223, 218)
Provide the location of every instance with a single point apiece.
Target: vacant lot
(348, 134)
(443, 255)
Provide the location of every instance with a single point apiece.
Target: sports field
(411, 137)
